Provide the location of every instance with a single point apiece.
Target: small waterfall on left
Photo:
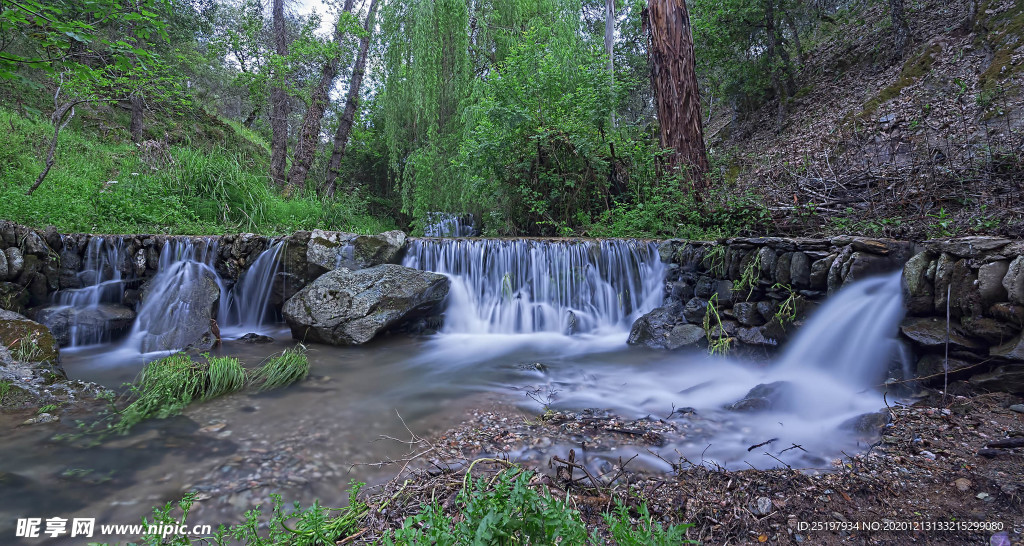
(93, 313)
(177, 302)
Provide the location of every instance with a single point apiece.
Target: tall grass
(280, 371)
(224, 375)
(107, 185)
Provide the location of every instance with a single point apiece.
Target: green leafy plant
(27, 349)
(5, 388)
(47, 409)
(785, 313)
(714, 260)
(749, 277)
(719, 342)
(943, 224)
(646, 532)
(226, 375)
(283, 370)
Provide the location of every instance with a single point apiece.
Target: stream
(528, 327)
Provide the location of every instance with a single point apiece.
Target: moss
(913, 70)
(1000, 33)
(28, 339)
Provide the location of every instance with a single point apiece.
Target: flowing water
(246, 307)
(548, 317)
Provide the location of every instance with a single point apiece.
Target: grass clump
(5, 388)
(164, 388)
(167, 386)
(283, 370)
(226, 375)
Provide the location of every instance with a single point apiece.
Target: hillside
(925, 145)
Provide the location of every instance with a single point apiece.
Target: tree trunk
(349, 116)
(279, 104)
(135, 126)
(900, 28)
(61, 117)
(674, 78)
(791, 23)
(309, 136)
(609, 44)
(251, 119)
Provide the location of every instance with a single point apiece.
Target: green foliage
(5, 388)
(281, 371)
(942, 226)
(225, 375)
(164, 388)
(719, 342)
(785, 313)
(749, 277)
(647, 532)
(45, 409)
(112, 186)
(507, 511)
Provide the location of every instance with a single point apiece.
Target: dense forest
(536, 117)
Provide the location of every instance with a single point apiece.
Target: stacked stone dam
(760, 289)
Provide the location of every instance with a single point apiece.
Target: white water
(525, 286)
(829, 374)
(246, 307)
(102, 282)
(185, 266)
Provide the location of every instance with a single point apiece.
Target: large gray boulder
(345, 307)
(177, 311)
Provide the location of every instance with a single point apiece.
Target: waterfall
(445, 224)
(172, 313)
(850, 336)
(82, 315)
(529, 286)
(247, 306)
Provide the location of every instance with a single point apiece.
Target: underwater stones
(253, 337)
(766, 396)
(345, 307)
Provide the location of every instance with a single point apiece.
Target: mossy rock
(27, 340)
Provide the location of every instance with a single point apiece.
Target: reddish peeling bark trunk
(674, 78)
(309, 136)
(349, 116)
(279, 105)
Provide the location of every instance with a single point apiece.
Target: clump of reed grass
(283, 370)
(225, 375)
(164, 388)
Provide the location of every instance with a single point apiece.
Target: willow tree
(674, 79)
(427, 76)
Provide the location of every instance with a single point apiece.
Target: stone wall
(37, 263)
(979, 282)
(760, 288)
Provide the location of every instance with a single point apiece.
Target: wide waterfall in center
(501, 286)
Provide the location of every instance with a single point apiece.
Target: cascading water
(171, 315)
(246, 308)
(528, 286)
(444, 224)
(850, 335)
(84, 311)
